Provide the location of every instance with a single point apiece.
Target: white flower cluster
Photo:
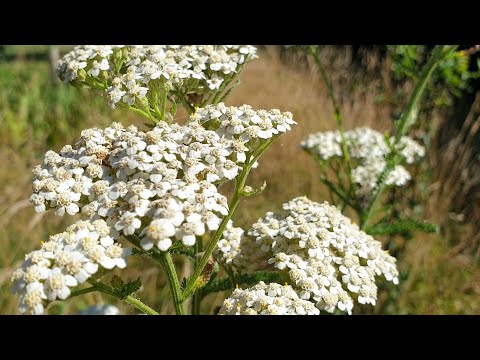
(370, 149)
(243, 123)
(263, 299)
(105, 309)
(327, 258)
(66, 260)
(163, 180)
(128, 72)
(228, 247)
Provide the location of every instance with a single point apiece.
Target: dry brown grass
(442, 279)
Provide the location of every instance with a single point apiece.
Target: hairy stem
(166, 261)
(169, 267)
(197, 297)
(82, 291)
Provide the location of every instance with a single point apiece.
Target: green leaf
(400, 227)
(136, 251)
(124, 289)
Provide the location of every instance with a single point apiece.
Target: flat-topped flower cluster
(127, 73)
(267, 299)
(157, 187)
(160, 184)
(369, 148)
(65, 261)
(326, 257)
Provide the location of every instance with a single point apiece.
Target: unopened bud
(81, 75)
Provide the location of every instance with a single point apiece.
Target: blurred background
(439, 272)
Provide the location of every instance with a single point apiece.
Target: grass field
(37, 114)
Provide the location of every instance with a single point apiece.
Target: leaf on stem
(123, 289)
(401, 226)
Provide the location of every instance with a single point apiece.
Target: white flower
(114, 95)
(371, 149)
(94, 71)
(57, 284)
(214, 82)
(115, 257)
(329, 260)
(66, 260)
(71, 70)
(263, 299)
(135, 91)
(129, 223)
(183, 68)
(159, 232)
(31, 301)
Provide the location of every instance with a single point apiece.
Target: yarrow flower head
(159, 185)
(263, 299)
(244, 123)
(228, 248)
(369, 148)
(128, 73)
(66, 260)
(327, 258)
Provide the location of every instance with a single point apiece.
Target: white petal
(107, 263)
(146, 244)
(64, 293)
(106, 241)
(121, 263)
(91, 268)
(72, 209)
(188, 240)
(164, 244)
(70, 281)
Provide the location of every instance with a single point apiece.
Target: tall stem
(165, 259)
(406, 120)
(338, 117)
(192, 283)
(197, 297)
(169, 267)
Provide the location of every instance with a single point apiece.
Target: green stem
(338, 116)
(82, 291)
(165, 259)
(192, 283)
(136, 303)
(185, 103)
(163, 105)
(197, 297)
(406, 120)
(338, 192)
(409, 116)
(224, 86)
(169, 267)
(143, 113)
